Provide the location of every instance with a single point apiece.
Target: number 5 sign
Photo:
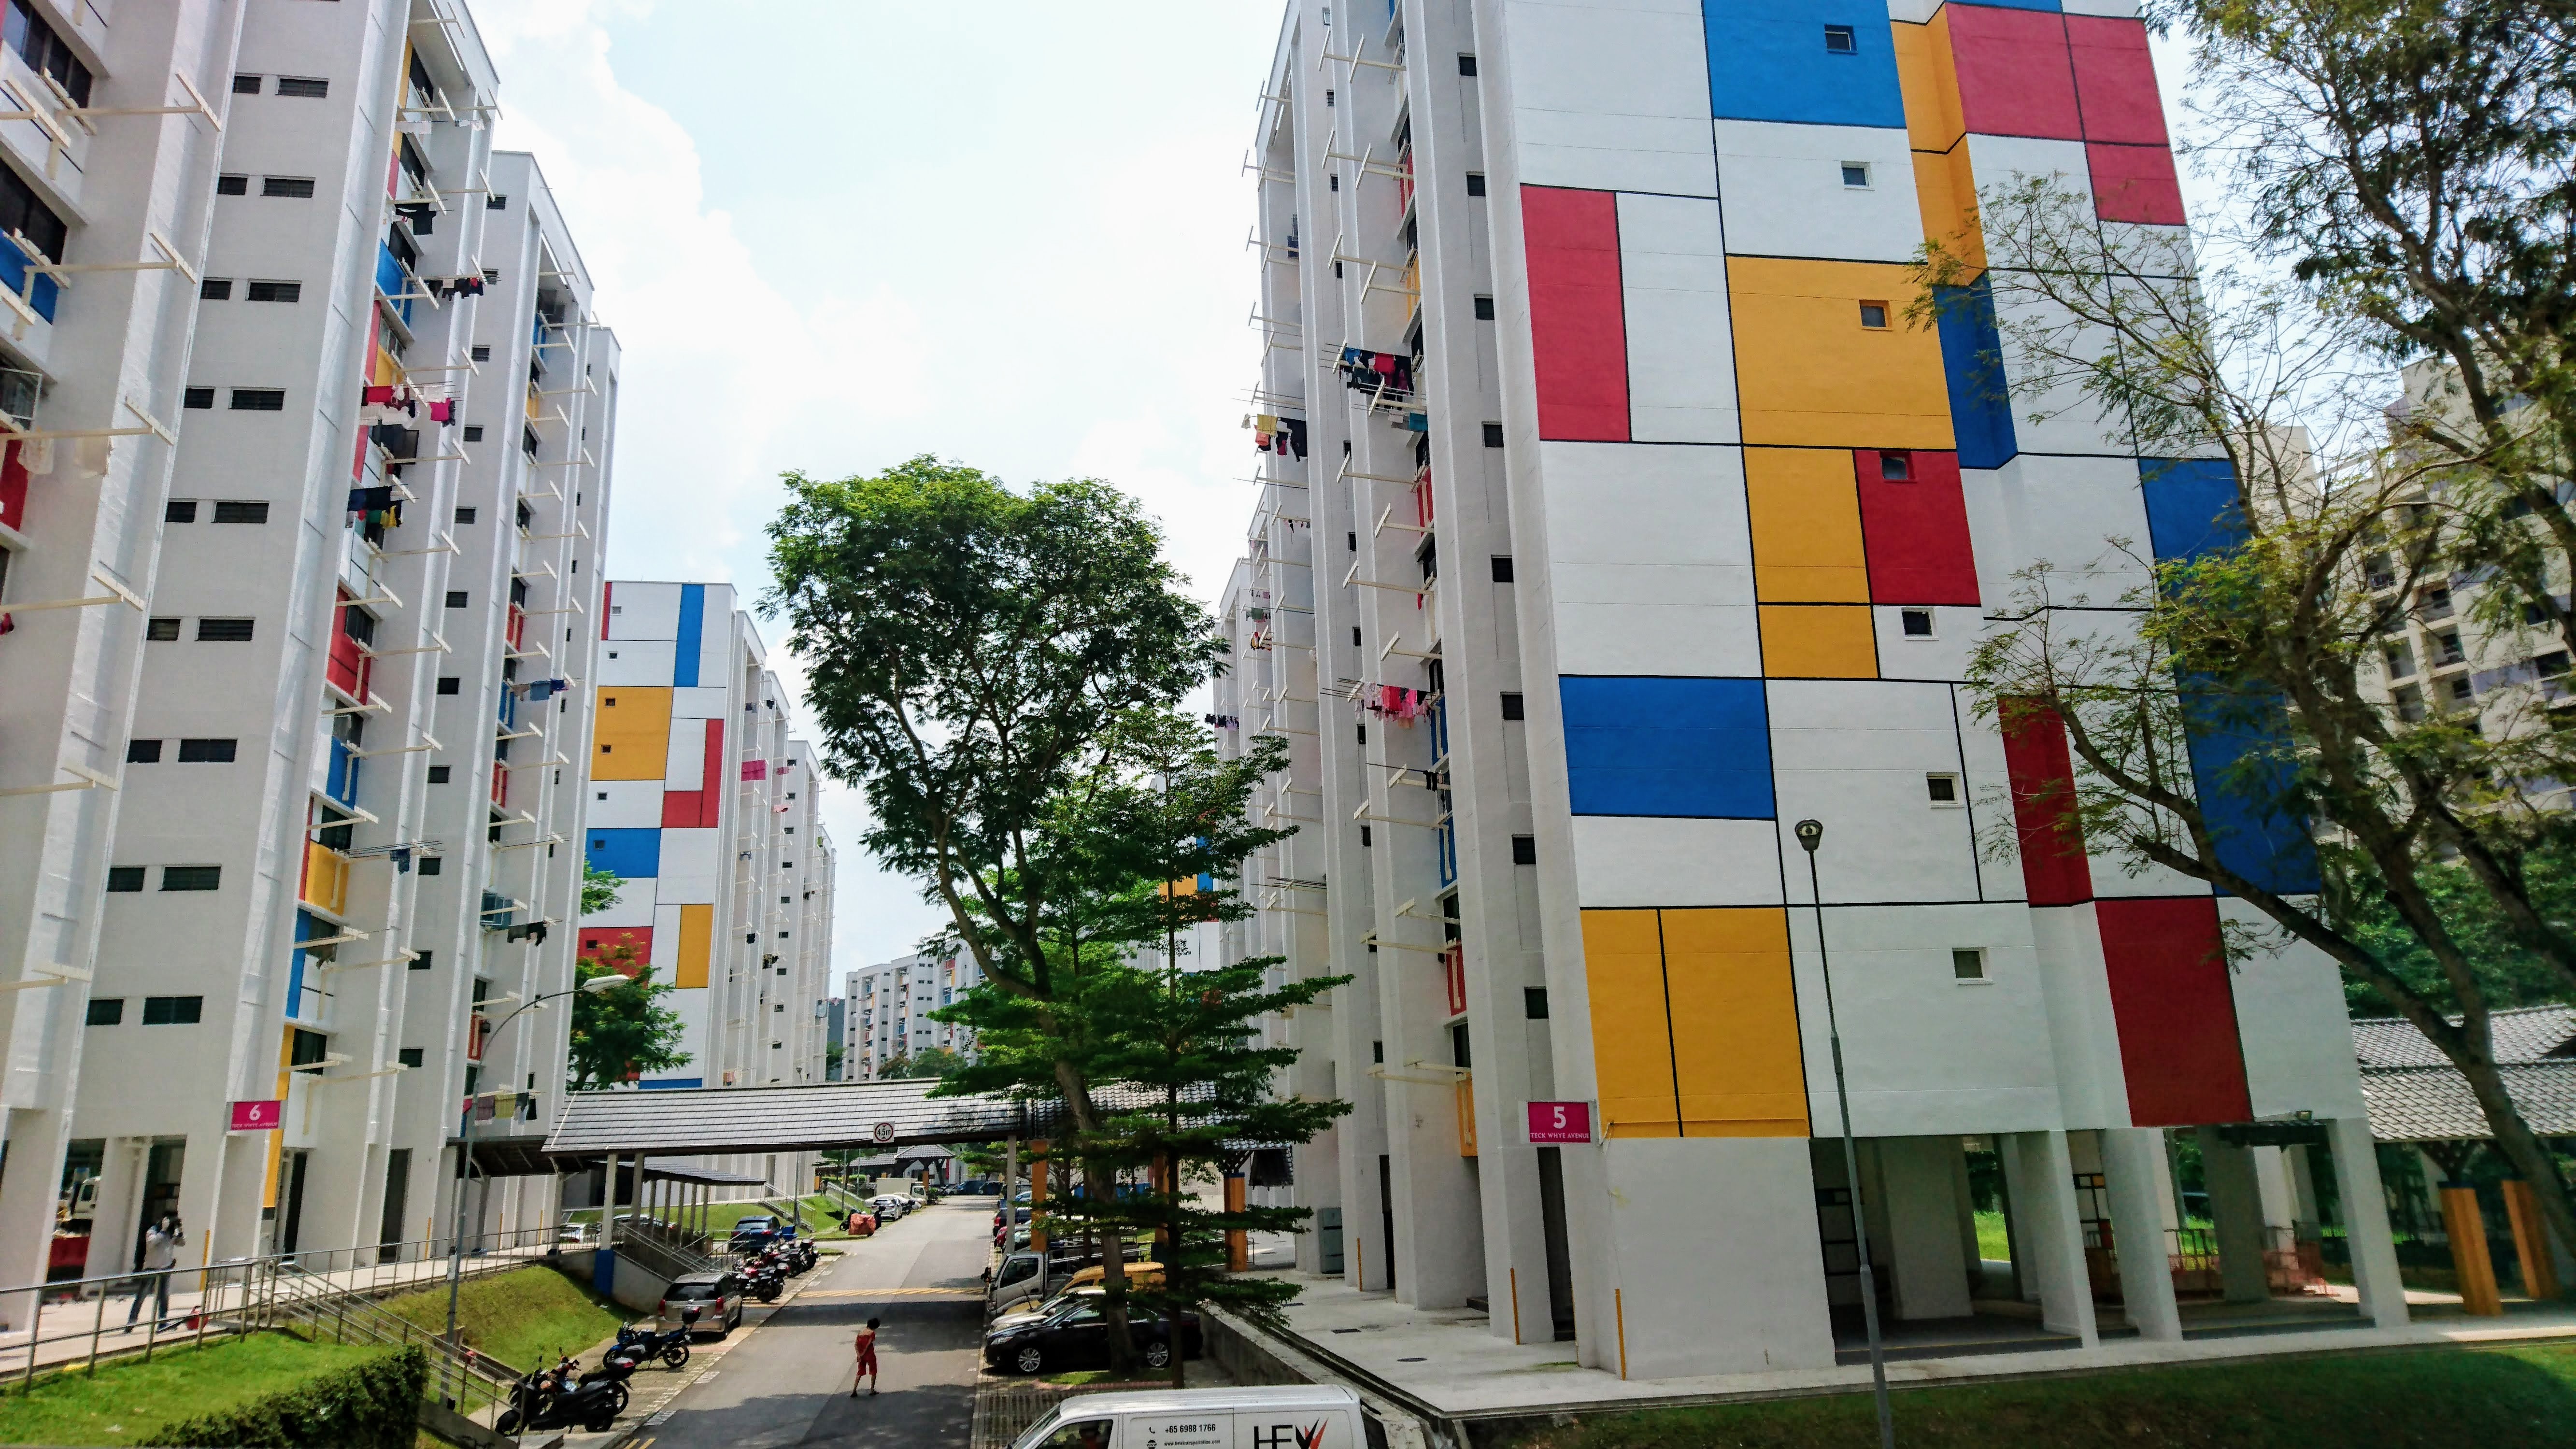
(1553, 1124)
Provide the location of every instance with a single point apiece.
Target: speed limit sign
(883, 1132)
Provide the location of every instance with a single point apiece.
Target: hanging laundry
(1265, 422)
(755, 769)
(368, 500)
(443, 412)
(1296, 435)
(1261, 442)
(377, 395)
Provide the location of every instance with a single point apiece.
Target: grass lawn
(518, 1317)
(1992, 1241)
(127, 1401)
(2523, 1396)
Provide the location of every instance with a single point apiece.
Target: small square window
(224, 631)
(408, 1057)
(294, 188)
(473, 432)
(1873, 315)
(142, 752)
(1839, 40)
(1524, 850)
(1512, 705)
(173, 1010)
(1896, 466)
(274, 292)
(241, 510)
(1493, 435)
(465, 515)
(310, 88)
(215, 289)
(429, 865)
(179, 510)
(456, 598)
(197, 397)
(246, 85)
(422, 960)
(1484, 309)
(259, 399)
(125, 877)
(208, 752)
(192, 877)
(1856, 175)
(1502, 568)
(1942, 789)
(1466, 65)
(1966, 965)
(1917, 623)
(1534, 1002)
(106, 1010)
(1365, 841)
(438, 775)
(449, 683)
(232, 186)
(496, 203)
(1475, 183)
(161, 631)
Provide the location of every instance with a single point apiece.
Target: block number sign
(1554, 1124)
(258, 1116)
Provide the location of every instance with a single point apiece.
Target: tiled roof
(687, 1121)
(2524, 1034)
(2433, 1104)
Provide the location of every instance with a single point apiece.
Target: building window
(105, 1011)
(259, 399)
(1534, 1002)
(179, 510)
(465, 515)
(496, 202)
(125, 877)
(1873, 315)
(294, 188)
(1512, 706)
(430, 865)
(450, 683)
(1466, 65)
(1856, 175)
(1917, 623)
(421, 960)
(1895, 465)
(1493, 435)
(161, 631)
(1839, 40)
(1365, 842)
(174, 1010)
(44, 50)
(223, 631)
(409, 1057)
(274, 292)
(246, 85)
(1941, 789)
(308, 87)
(1524, 850)
(1475, 183)
(473, 434)
(1966, 965)
(232, 186)
(208, 752)
(456, 598)
(1502, 568)
(192, 877)
(241, 510)
(215, 289)
(197, 397)
(142, 752)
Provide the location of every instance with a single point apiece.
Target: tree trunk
(1113, 1269)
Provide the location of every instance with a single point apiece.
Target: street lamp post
(595, 986)
(1811, 833)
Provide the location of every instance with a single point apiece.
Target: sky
(835, 234)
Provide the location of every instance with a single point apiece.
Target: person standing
(867, 1348)
(160, 1254)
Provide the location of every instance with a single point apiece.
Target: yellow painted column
(2468, 1232)
(1238, 1243)
(1037, 1198)
(2531, 1241)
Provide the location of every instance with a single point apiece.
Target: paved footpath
(785, 1379)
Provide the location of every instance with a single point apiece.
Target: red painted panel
(346, 664)
(611, 945)
(2175, 1010)
(13, 488)
(2135, 183)
(1578, 326)
(2015, 78)
(681, 808)
(711, 775)
(1914, 528)
(604, 610)
(2042, 773)
(2115, 80)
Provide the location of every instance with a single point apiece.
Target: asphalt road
(788, 1382)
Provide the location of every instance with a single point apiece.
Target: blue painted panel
(2191, 506)
(669, 1083)
(693, 623)
(1768, 62)
(391, 281)
(635, 854)
(1972, 364)
(2260, 833)
(1652, 746)
(13, 275)
(342, 783)
(308, 927)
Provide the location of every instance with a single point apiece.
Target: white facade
(887, 1011)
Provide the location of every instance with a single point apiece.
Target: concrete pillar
(2236, 1213)
(2133, 1171)
(2531, 1241)
(2272, 1183)
(1924, 1265)
(2470, 1261)
(2056, 1237)
(2019, 1195)
(2365, 1221)
(2300, 1166)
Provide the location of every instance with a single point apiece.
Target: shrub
(373, 1405)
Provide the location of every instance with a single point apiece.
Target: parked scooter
(763, 1278)
(550, 1399)
(671, 1346)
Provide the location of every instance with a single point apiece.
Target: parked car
(889, 1205)
(1309, 1415)
(1076, 1336)
(716, 1296)
(577, 1235)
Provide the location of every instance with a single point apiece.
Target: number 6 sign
(1553, 1124)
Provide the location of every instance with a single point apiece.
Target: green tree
(599, 888)
(622, 1033)
(933, 1061)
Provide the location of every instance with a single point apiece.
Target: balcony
(500, 784)
(36, 291)
(393, 280)
(325, 886)
(341, 781)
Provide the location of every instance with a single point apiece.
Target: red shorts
(868, 1363)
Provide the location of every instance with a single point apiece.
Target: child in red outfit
(866, 1344)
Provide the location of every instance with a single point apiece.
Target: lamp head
(1811, 833)
(602, 985)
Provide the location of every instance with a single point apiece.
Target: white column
(1924, 1263)
(2056, 1236)
(2133, 1170)
(2365, 1221)
(2236, 1213)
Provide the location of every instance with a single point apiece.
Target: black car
(1076, 1336)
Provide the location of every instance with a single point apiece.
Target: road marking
(960, 1294)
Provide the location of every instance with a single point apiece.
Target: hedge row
(374, 1405)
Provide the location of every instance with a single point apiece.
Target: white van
(1304, 1417)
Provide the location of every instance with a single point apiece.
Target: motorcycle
(763, 1280)
(549, 1399)
(802, 1256)
(671, 1346)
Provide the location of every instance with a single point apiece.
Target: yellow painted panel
(326, 878)
(1945, 189)
(1735, 1023)
(1632, 1057)
(1806, 526)
(631, 736)
(1810, 375)
(697, 946)
(1466, 1090)
(1929, 79)
(1818, 641)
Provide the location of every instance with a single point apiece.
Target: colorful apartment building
(1615, 513)
(888, 1011)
